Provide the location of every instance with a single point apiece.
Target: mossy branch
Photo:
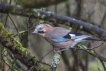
(53, 17)
(20, 53)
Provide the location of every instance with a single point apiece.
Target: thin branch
(7, 15)
(77, 60)
(78, 9)
(92, 52)
(67, 4)
(6, 19)
(103, 19)
(14, 25)
(103, 65)
(45, 55)
(31, 24)
(66, 61)
(96, 55)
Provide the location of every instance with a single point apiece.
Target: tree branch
(38, 3)
(53, 17)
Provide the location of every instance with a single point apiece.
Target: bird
(61, 38)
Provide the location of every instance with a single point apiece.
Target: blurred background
(92, 11)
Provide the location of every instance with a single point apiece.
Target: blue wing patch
(61, 39)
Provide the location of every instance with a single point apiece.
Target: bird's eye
(40, 28)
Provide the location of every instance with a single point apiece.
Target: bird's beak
(35, 32)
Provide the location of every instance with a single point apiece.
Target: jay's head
(41, 29)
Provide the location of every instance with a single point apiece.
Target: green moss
(8, 34)
(2, 30)
(4, 51)
(17, 44)
(21, 48)
(1, 26)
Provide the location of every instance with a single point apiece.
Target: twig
(96, 55)
(24, 32)
(45, 55)
(66, 61)
(5, 24)
(32, 24)
(14, 25)
(7, 15)
(40, 61)
(92, 52)
(78, 10)
(77, 60)
(97, 46)
(88, 48)
(103, 65)
(44, 63)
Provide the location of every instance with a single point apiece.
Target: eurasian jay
(61, 38)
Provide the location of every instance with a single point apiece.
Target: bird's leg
(65, 48)
(56, 50)
(59, 50)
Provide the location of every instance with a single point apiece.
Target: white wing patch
(78, 38)
(72, 35)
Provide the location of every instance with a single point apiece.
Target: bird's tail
(94, 39)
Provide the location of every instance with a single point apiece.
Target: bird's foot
(56, 50)
(59, 50)
(53, 68)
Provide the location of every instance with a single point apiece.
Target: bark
(20, 53)
(38, 3)
(53, 17)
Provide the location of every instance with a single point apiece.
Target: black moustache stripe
(40, 31)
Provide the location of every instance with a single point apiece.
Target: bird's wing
(76, 38)
(81, 37)
(58, 32)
